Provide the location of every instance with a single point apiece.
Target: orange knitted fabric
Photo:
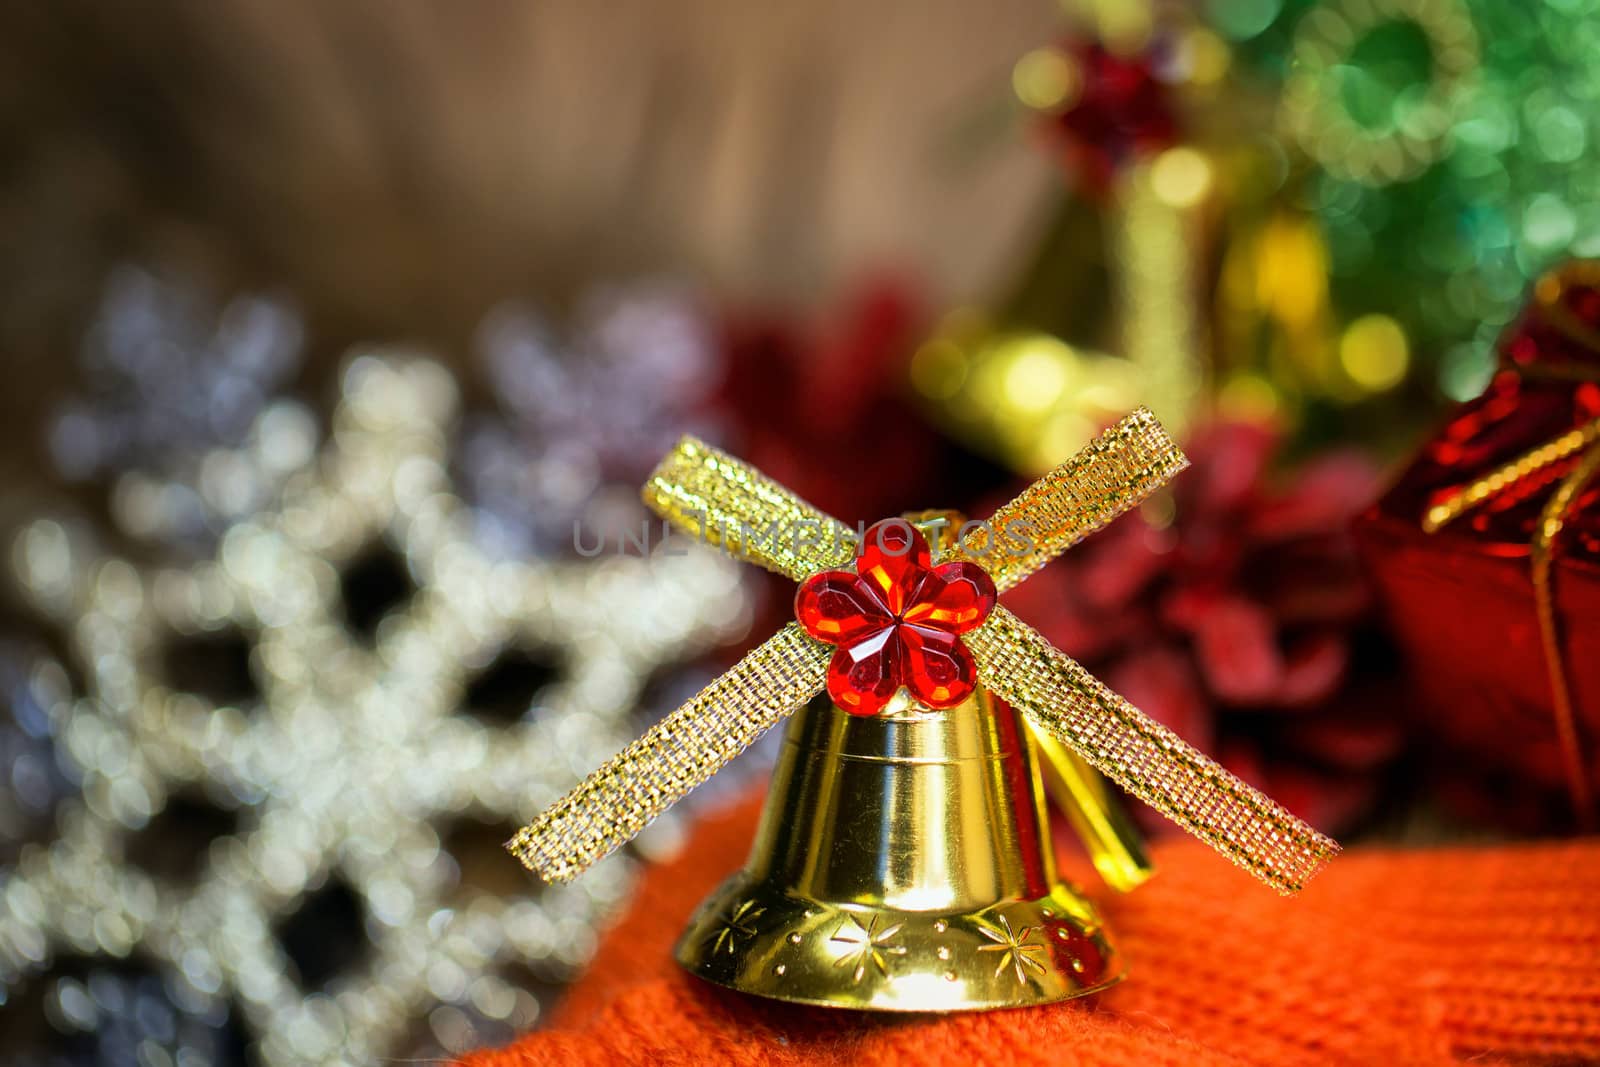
(1390, 957)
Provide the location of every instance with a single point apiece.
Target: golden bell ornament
(904, 859)
(903, 863)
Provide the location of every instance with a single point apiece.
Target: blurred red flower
(822, 408)
(1238, 618)
(1124, 111)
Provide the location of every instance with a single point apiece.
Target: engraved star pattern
(1016, 948)
(868, 945)
(738, 925)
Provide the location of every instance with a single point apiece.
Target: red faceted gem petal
(956, 597)
(894, 557)
(938, 669)
(896, 620)
(864, 676)
(839, 607)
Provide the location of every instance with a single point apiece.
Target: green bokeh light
(1453, 251)
(1241, 20)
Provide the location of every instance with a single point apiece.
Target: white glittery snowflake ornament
(174, 387)
(585, 412)
(344, 756)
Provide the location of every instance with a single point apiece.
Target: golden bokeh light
(1046, 79)
(1037, 370)
(1374, 353)
(1248, 397)
(939, 369)
(1181, 177)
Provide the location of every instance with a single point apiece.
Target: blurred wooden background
(401, 165)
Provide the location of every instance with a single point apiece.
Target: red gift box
(1498, 609)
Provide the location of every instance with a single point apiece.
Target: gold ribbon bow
(712, 495)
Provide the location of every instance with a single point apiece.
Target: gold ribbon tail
(1145, 758)
(608, 808)
(1099, 819)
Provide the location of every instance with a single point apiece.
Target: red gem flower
(897, 620)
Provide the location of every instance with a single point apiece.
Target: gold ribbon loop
(710, 495)
(1111, 474)
(1146, 758)
(680, 752)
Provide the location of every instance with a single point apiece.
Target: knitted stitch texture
(1451, 955)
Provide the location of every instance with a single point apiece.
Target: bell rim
(890, 1009)
(762, 940)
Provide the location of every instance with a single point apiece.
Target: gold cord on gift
(1549, 295)
(1146, 758)
(673, 757)
(1508, 474)
(711, 495)
(1551, 521)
